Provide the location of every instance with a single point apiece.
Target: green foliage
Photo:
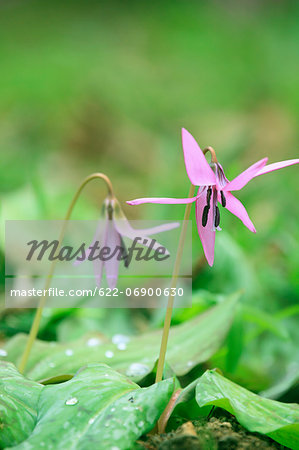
(98, 407)
(97, 87)
(18, 401)
(235, 343)
(278, 420)
(190, 344)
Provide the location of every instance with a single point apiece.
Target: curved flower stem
(38, 314)
(213, 154)
(176, 269)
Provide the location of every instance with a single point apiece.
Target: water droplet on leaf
(121, 346)
(120, 339)
(72, 401)
(93, 342)
(136, 369)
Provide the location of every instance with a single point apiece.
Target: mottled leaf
(97, 408)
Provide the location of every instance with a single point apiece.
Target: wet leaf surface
(18, 402)
(190, 343)
(97, 408)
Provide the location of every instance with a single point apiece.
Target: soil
(222, 433)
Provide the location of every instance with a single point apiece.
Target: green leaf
(190, 343)
(235, 343)
(18, 401)
(186, 405)
(56, 380)
(264, 321)
(289, 380)
(201, 301)
(97, 408)
(278, 420)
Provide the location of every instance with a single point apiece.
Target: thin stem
(176, 269)
(213, 154)
(39, 311)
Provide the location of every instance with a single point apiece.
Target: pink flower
(110, 234)
(214, 188)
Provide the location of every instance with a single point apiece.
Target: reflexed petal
(206, 234)
(99, 236)
(276, 166)
(162, 200)
(160, 228)
(98, 265)
(244, 177)
(235, 207)
(125, 229)
(198, 169)
(112, 265)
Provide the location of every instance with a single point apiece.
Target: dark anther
(124, 253)
(223, 199)
(205, 215)
(110, 211)
(131, 399)
(217, 217)
(209, 194)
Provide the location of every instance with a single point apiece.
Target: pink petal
(276, 166)
(162, 200)
(206, 234)
(98, 264)
(125, 229)
(244, 177)
(159, 228)
(198, 169)
(236, 208)
(100, 236)
(112, 265)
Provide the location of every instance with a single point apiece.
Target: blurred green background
(90, 86)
